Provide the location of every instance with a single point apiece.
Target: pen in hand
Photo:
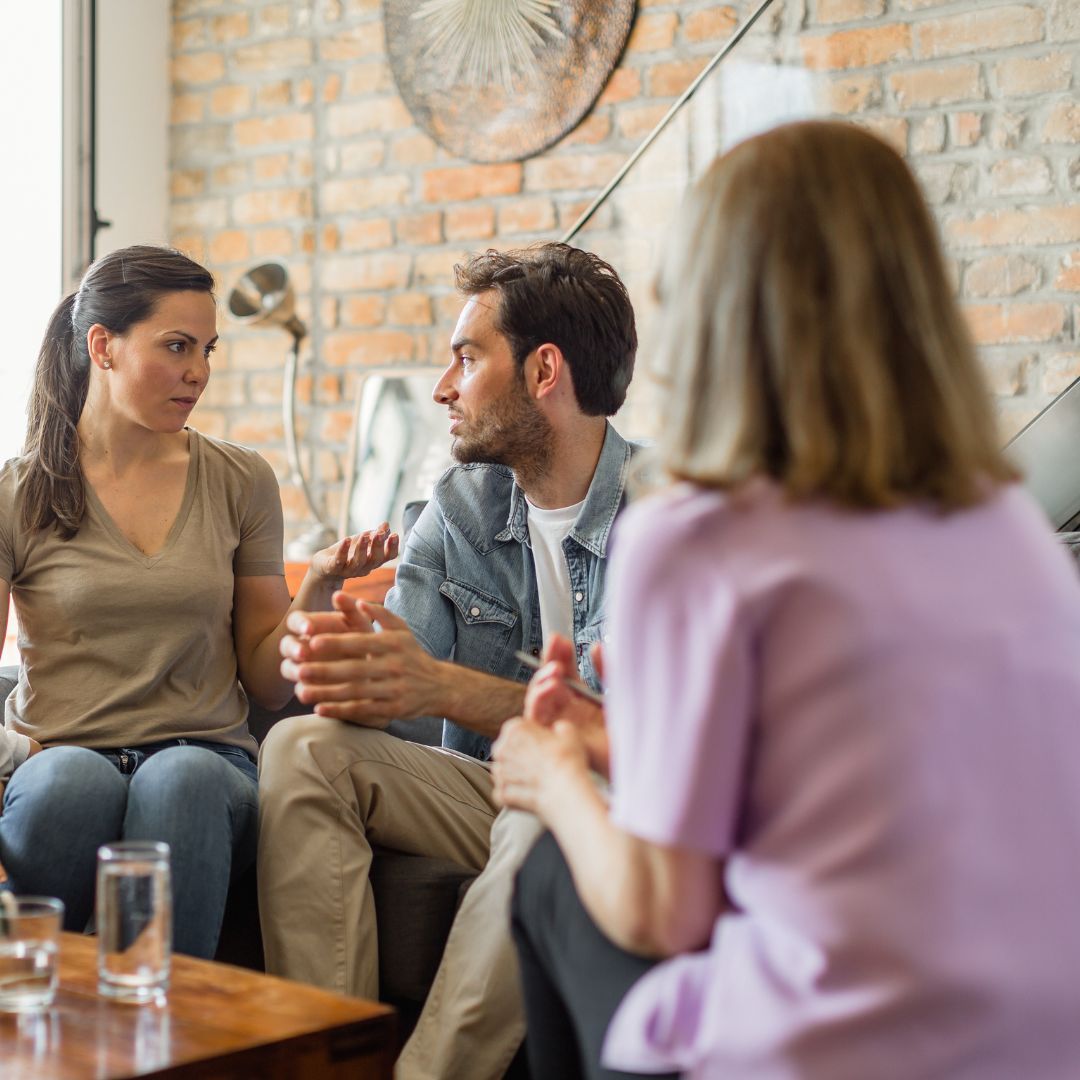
(574, 684)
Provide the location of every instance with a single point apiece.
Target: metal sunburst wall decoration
(480, 42)
(501, 80)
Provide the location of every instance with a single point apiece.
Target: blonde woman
(844, 677)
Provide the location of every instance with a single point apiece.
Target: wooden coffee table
(218, 1022)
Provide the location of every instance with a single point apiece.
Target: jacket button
(474, 612)
(579, 596)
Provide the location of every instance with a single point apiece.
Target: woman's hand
(538, 768)
(357, 556)
(549, 699)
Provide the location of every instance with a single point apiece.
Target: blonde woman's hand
(536, 767)
(548, 699)
(357, 556)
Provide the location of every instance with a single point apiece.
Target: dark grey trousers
(574, 978)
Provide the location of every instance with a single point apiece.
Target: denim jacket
(466, 584)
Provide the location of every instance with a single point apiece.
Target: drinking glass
(29, 940)
(134, 920)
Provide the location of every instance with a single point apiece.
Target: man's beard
(511, 431)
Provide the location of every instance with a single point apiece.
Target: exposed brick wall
(290, 141)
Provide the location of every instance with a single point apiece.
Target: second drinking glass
(134, 920)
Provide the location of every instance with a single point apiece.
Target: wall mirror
(399, 447)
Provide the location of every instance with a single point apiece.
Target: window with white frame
(31, 200)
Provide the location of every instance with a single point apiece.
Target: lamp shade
(264, 295)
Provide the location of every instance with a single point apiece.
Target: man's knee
(319, 746)
(292, 739)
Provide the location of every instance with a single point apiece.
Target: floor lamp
(264, 297)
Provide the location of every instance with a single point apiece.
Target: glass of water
(29, 940)
(134, 920)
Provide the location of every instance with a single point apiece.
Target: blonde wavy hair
(809, 331)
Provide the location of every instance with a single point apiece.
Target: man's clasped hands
(347, 669)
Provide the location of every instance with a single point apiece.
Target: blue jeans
(200, 798)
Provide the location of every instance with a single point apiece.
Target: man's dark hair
(558, 294)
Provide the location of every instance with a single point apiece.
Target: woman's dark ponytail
(53, 484)
(119, 290)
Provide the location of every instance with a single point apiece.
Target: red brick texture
(289, 141)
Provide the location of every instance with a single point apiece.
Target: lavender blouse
(874, 720)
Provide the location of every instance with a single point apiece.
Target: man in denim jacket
(511, 548)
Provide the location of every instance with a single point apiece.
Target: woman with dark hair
(843, 680)
(145, 563)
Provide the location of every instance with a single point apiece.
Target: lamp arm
(288, 416)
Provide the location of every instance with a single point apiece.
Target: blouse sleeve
(262, 530)
(14, 750)
(680, 674)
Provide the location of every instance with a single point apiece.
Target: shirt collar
(605, 496)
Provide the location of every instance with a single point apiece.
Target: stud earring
(106, 363)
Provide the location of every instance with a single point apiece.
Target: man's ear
(546, 368)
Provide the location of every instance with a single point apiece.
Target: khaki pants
(330, 790)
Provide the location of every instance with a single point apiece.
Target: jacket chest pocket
(484, 625)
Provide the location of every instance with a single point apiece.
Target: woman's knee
(59, 807)
(67, 777)
(193, 775)
(194, 799)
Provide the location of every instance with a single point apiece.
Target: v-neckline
(194, 452)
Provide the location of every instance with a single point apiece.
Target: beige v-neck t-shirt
(121, 649)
